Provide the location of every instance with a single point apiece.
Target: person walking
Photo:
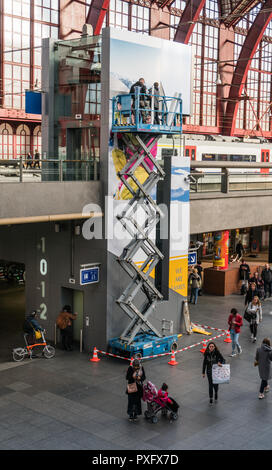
(36, 159)
(255, 310)
(267, 278)
(235, 322)
(239, 250)
(252, 292)
(199, 268)
(195, 281)
(212, 356)
(263, 360)
(244, 272)
(135, 377)
(64, 323)
(29, 160)
(259, 284)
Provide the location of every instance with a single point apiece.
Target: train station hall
(135, 229)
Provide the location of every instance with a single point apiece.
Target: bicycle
(20, 353)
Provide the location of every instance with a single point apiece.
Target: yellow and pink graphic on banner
(221, 249)
(178, 274)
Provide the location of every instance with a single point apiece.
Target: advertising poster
(132, 57)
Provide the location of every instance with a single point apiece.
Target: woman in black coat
(263, 361)
(212, 356)
(135, 375)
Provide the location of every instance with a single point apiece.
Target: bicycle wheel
(18, 354)
(49, 351)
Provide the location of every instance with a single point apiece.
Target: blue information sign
(192, 258)
(33, 102)
(89, 275)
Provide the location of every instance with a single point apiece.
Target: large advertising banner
(130, 57)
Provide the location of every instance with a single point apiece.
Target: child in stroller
(159, 401)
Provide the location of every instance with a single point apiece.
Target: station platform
(70, 403)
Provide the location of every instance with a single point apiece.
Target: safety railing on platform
(31, 170)
(147, 112)
(226, 177)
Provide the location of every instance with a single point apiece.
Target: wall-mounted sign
(192, 258)
(89, 275)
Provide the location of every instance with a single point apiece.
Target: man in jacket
(64, 323)
(235, 322)
(267, 278)
(143, 102)
(244, 271)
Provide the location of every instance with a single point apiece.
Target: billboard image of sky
(133, 56)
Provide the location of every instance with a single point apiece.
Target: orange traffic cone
(227, 339)
(173, 361)
(131, 361)
(204, 347)
(95, 356)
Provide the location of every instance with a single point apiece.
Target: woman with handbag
(135, 377)
(212, 356)
(255, 310)
(263, 361)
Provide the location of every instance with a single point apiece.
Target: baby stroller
(156, 404)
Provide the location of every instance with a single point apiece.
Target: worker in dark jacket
(212, 356)
(143, 99)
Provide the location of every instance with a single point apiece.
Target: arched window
(22, 141)
(6, 136)
(37, 139)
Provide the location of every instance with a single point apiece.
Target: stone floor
(71, 403)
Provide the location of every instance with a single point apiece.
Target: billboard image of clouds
(133, 56)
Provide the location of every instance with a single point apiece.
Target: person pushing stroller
(159, 401)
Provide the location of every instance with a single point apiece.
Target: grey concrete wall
(48, 198)
(23, 243)
(216, 211)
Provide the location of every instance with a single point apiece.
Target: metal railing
(25, 170)
(226, 177)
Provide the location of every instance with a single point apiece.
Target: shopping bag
(221, 375)
(247, 316)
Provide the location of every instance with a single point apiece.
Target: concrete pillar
(72, 18)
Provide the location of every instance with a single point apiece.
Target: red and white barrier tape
(114, 355)
(165, 354)
(209, 327)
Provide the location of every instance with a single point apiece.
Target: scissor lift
(139, 134)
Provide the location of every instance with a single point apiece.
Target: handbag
(132, 388)
(38, 334)
(247, 316)
(221, 375)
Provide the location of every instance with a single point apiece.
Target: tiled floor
(71, 403)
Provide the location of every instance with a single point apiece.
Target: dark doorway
(74, 298)
(12, 307)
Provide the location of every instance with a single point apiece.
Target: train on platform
(215, 150)
(222, 150)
